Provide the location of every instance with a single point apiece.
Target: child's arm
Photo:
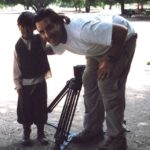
(17, 75)
(49, 50)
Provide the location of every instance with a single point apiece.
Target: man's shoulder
(78, 21)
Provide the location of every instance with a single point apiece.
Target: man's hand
(104, 69)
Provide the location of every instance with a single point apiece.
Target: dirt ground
(137, 112)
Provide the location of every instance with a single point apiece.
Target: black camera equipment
(72, 91)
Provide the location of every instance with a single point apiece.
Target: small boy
(29, 71)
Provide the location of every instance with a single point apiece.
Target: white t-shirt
(90, 35)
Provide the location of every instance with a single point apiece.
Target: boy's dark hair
(26, 19)
(54, 17)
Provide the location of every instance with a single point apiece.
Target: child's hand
(19, 91)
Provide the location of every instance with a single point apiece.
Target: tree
(8, 2)
(78, 4)
(140, 4)
(122, 2)
(87, 5)
(109, 2)
(34, 4)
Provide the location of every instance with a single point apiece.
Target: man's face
(49, 31)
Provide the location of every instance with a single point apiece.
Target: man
(108, 42)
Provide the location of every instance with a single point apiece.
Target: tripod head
(78, 72)
(76, 82)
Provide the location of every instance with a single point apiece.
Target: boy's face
(26, 31)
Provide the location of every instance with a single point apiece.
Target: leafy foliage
(78, 4)
(34, 4)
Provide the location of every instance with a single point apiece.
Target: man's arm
(119, 34)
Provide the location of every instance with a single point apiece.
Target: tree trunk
(122, 7)
(87, 6)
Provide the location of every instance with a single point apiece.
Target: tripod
(72, 91)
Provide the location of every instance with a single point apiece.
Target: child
(30, 69)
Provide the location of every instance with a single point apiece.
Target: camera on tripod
(76, 82)
(71, 91)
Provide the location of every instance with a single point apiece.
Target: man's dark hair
(26, 19)
(54, 17)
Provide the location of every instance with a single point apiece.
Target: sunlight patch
(12, 106)
(142, 124)
(3, 110)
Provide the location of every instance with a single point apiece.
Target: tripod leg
(69, 114)
(72, 112)
(58, 98)
(66, 117)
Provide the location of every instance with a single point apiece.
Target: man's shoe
(87, 136)
(114, 143)
(43, 140)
